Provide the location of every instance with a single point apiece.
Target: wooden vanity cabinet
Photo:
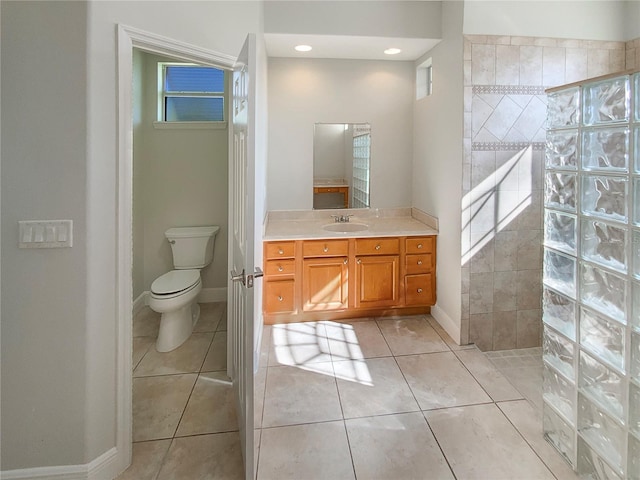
(344, 278)
(377, 272)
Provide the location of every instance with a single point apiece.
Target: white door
(241, 246)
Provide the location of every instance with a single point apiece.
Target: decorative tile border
(506, 146)
(509, 89)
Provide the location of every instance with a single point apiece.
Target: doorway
(128, 40)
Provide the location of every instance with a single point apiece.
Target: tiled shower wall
(504, 138)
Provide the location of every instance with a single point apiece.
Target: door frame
(129, 38)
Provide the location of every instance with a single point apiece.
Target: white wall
(437, 162)
(59, 306)
(397, 18)
(138, 198)
(588, 20)
(303, 92)
(44, 170)
(632, 17)
(184, 183)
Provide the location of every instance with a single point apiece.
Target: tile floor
(386, 399)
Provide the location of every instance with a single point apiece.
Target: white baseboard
(102, 468)
(446, 322)
(141, 301)
(210, 295)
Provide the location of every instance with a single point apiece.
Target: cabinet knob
(419, 245)
(345, 261)
(358, 261)
(280, 269)
(280, 298)
(419, 262)
(377, 247)
(325, 249)
(280, 251)
(419, 290)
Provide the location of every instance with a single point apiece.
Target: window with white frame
(190, 93)
(424, 79)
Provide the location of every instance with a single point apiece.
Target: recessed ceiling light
(303, 48)
(392, 51)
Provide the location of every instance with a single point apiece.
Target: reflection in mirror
(341, 159)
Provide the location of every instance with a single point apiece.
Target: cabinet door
(324, 284)
(377, 281)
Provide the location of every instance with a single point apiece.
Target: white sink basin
(346, 227)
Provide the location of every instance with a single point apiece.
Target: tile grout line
(526, 441)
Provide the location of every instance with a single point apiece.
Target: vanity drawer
(377, 246)
(279, 296)
(419, 289)
(418, 263)
(273, 268)
(325, 248)
(274, 250)
(419, 244)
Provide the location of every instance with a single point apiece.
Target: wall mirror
(341, 162)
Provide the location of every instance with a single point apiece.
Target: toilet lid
(175, 281)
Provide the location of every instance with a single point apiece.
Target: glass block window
(190, 93)
(591, 301)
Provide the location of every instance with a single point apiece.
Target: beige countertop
(308, 224)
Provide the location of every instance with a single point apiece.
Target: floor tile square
(158, 403)
(187, 358)
(356, 340)
(216, 358)
(445, 336)
(374, 386)
(295, 396)
(210, 316)
(211, 457)
(146, 323)
(316, 451)
(489, 377)
(395, 447)
(141, 346)
(146, 460)
(299, 344)
(411, 335)
(439, 380)
(529, 423)
(211, 407)
(480, 443)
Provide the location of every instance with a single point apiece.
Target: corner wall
(437, 164)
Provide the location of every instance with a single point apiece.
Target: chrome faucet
(341, 218)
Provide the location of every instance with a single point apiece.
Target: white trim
(446, 322)
(129, 38)
(102, 468)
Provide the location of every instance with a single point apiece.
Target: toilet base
(176, 327)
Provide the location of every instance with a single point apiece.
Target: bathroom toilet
(174, 294)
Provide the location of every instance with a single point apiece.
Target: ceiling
(347, 47)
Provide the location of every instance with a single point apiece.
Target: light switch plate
(45, 234)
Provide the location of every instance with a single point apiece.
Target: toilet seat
(175, 282)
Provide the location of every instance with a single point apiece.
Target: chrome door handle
(257, 273)
(238, 277)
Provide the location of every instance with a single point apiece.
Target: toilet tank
(192, 247)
